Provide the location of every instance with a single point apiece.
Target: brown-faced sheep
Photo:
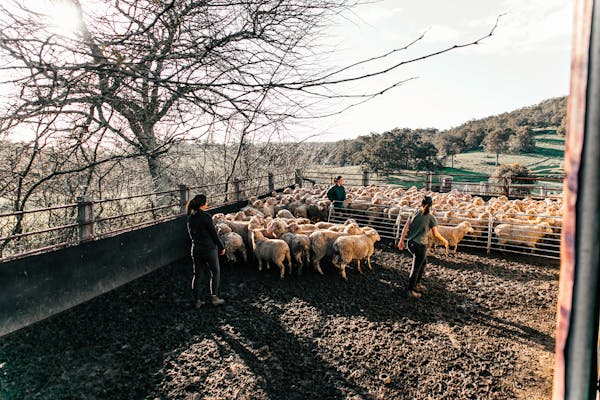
(346, 249)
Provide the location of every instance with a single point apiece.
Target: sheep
(285, 214)
(270, 250)
(321, 241)
(345, 249)
(234, 244)
(299, 245)
(453, 234)
(528, 234)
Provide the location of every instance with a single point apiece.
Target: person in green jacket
(337, 194)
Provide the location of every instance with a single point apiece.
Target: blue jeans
(419, 252)
(205, 261)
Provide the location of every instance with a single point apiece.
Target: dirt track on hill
(484, 330)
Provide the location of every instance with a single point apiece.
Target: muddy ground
(484, 330)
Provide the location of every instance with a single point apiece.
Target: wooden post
(85, 217)
(237, 188)
(271, 182)
(184, 197)
(298, 176)
(428, 181)
(365, 178)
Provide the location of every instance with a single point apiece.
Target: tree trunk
(497, 154)
(452, 161)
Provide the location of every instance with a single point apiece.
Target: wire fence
(34, 231)
(524, 234)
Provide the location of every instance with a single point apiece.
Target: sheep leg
(259, 264)
(317, 267)
(455, 249)
(369, 263)
(342, 268)
(281, 270)
(358, 266)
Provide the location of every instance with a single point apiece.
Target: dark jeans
(205, 261)
(419, 252)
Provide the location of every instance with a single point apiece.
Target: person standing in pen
(415, 231)
(206, 247)
(337, 194)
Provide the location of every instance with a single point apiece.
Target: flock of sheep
(290, 229)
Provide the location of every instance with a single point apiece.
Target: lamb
(528, 235)
(321, 242)
(270, 250)
(453, 234)
(345, 249)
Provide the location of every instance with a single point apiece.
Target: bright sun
(63, 18)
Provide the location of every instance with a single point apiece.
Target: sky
(525, 61)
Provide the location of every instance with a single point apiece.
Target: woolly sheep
(453, 234)
(528, 235)
(270, 250)
(346, 249)
(321, 241)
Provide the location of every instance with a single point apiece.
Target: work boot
(216, 301)
(421, 288)
(414, 294)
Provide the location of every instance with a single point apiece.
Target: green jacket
(336, 194)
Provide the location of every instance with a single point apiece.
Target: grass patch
(550, 141)
(548, 152)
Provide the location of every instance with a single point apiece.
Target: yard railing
(539, 186)
(523, 234)
(39, 230)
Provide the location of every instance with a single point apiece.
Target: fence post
(298, 177)
(428, 181)
(237, 188)
(85, 217)
(489, 238)
(184, 197)
(544, 191)
(365, 178)
(271, 182)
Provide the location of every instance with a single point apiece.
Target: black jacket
(202, 232)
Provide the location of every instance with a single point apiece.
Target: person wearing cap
(337, 194)
(206, 247)
(415, 231)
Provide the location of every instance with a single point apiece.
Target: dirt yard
(484, 330)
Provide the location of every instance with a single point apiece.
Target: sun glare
(63, 18)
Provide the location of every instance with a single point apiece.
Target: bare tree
(149, 73)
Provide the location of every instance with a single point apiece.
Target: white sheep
(321, 242)
(528, 234)
(346, 249)
(453, 234)
(270, 250)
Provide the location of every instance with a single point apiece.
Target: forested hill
(509, 132)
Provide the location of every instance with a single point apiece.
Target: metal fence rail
(539, 186)
(28, 232)
(524, 234)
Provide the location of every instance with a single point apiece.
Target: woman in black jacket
(206, 247)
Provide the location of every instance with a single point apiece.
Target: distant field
(472, 166)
